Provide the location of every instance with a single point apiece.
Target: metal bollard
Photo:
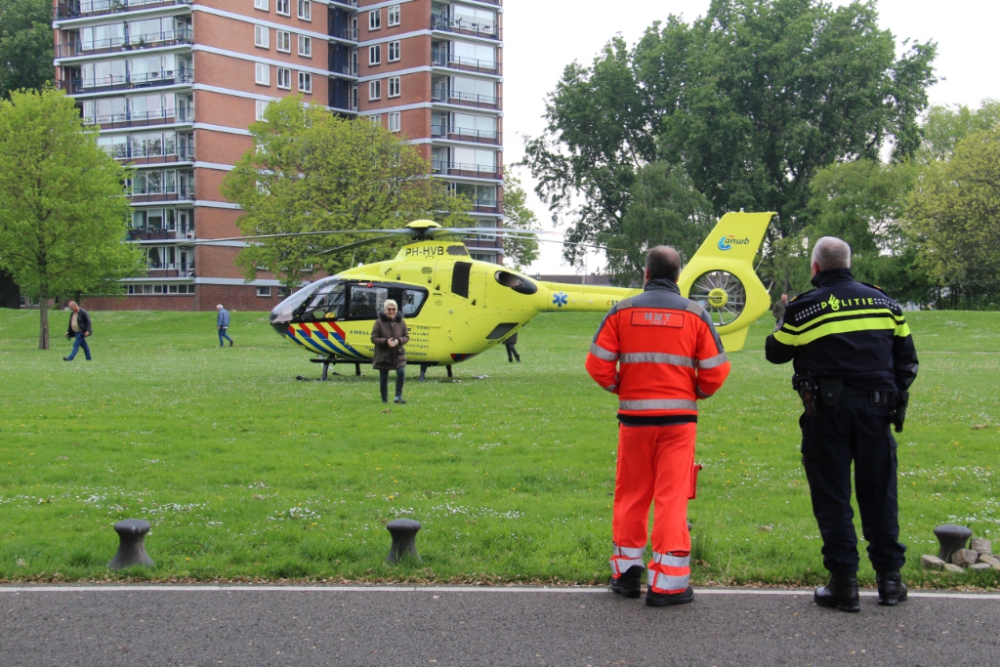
(131, 534)
(952, 538)
(404, 535)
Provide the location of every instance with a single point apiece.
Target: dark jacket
(511, 342)
(846, 330)
(778, 310)
(387, 358)
(82, 320)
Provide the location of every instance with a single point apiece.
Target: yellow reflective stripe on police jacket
(880, 312)
(842, 326)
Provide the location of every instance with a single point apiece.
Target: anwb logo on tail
(728, 241)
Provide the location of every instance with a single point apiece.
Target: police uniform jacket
(846, 330)
(660, 353)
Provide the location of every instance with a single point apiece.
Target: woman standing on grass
(390, 335)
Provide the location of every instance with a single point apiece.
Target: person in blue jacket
(222, 322)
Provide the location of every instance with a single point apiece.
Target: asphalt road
(98, 626)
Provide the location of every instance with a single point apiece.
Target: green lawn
(246, 473)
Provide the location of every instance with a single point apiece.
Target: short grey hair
(219, 307)
(387, 302)
(831, 253)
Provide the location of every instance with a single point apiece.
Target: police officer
(854, 361)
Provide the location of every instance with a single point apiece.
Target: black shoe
(891, 589)
(629, 583)
(841, 593)
(230, 343)
(399, 400)
(667, 599)
(67, 359)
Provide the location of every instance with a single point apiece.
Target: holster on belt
(808, 390)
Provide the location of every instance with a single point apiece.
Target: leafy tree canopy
(944, 127)
(25, 45)
(63, 213)
(313, 171)
(517, 216)
(751, 100)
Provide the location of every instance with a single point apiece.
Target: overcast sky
(542, 36)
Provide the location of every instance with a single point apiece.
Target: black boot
(891, 589)
(841, 593)
(629, 583)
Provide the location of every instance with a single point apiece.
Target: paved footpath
(102, 626)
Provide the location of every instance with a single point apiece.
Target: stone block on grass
(990, 560)
(964, 557)
(950, 567)
(981, 545)
(980, 566)
(929, 562)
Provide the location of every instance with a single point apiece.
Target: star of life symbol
(560, 299)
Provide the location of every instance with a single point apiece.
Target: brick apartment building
(174, 84)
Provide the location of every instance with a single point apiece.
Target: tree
(953, 212)
(25, 45)
(752, 100)
(63, 210)
(517, 216)
(943, 128)
(311, 171)
(665, 209)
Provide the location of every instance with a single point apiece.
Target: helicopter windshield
(285, 311)
(328, 303)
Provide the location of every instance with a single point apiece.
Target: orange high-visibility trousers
(654, 467)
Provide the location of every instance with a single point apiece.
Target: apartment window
(394, 15)
(260, 4)
(284, 78)
(375, 54)
(394, 121)
(305, 10)
(374, 90)
(393, 51)
(264, 291)
(261, 106)
(376, 119)
(305, 46)
(305, 82)
(283, 7)
(263, 74)
(393, 86)
(375, 19)
(261, 37)
(283, 41)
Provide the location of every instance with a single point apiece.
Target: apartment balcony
(141, 160)
(178, 194)
(345, 3)
(157, 234)
(443, 168)
(167, 38)
(460, 27)
(72, 9)
(340, 32)
(171, 271)
(136, 119)
(466, 134)
(494, 206)
(124, 82)
(465, 99)
(441, 58)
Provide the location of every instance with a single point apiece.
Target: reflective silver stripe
(657, 404)
(601, 353)
(629, 552)
(693, 307)
(611, 387)
(712, 362)
(671, 561)
(657, 358)
(663, 582)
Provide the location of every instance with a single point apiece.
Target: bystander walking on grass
(246, 473)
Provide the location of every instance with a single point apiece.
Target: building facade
(174, 84)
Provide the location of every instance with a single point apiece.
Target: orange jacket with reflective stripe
(659, 352)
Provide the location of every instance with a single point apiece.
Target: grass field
(248, 474)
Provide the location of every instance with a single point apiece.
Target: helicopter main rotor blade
(392, 232)
(356, 244)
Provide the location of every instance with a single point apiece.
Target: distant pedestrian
(79, 330)
(778, 309)
(511, 350)
(390, 335)
(222, 322)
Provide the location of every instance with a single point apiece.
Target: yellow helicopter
(457, 307)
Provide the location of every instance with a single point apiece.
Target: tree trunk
(43, 311)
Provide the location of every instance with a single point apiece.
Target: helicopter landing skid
(326, 367)
(423, 372)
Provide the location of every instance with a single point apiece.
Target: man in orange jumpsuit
(660, 353)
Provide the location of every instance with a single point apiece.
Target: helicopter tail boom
(584, 298)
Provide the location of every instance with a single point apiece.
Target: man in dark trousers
(511, 350)
(79, 330)
(222, 324)
(854, 361)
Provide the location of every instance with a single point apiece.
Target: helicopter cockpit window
(328, 303)
(411, 301)
(366, 302)
(515, 282)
